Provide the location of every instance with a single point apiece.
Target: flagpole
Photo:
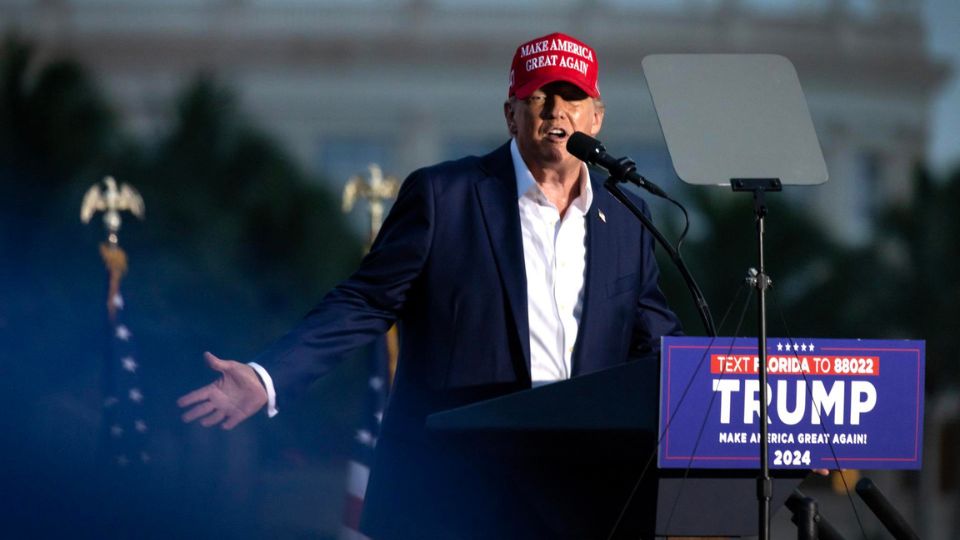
(112, 200)
(375, 189)
(124, 425)
(382, 354)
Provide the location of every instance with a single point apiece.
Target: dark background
(236, 247)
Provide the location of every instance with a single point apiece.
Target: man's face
(544, 121)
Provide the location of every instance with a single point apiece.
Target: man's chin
(551, 156)
(555, 155)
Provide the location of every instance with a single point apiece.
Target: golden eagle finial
(111, 200)
(375, 189)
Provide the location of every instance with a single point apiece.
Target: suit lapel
(600, 255)
(497, 194)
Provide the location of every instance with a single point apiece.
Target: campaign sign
(832, 403)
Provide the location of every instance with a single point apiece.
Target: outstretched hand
(227, 401)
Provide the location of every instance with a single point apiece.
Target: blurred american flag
(379, 357)
(124, 422)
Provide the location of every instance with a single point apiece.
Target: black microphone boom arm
(701, 302)
(592, 152)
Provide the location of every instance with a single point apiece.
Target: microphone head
(585, 147)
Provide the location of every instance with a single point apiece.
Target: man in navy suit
(504, 272)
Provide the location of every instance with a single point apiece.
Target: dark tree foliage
(918, 292)
(904, 284)
(237, 245)
(724, 246)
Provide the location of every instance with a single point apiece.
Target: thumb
(215, 363)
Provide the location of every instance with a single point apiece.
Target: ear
(508, 113)
(597, 123)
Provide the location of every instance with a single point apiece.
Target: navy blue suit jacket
(448, 266)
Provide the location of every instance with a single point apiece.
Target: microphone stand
(702, 308)
(761, 281)
(758, 279)
(590, 151)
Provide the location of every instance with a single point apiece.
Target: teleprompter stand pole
(761, 281)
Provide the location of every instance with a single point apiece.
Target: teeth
(558, 132)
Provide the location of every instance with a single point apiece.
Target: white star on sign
(110, 401)
(135, 395)
(140, 426)
(796, 347)
(129, 364)
(803, 347)
(123, 334)
(117, 301)
(779, 346)
(811, 347)
(116, 431)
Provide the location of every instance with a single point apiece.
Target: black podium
(597, 432)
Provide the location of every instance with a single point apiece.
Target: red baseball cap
(551, 58)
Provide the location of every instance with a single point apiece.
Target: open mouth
(557, 134)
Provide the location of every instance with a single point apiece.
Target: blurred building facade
(411, 82)
(405, 83)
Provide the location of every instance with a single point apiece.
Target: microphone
(592, 152)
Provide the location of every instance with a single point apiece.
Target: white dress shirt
(554, 256)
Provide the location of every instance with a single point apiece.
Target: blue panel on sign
(851, 404)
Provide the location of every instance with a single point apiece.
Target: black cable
(592, 152)
(686, 222)
(703, 309)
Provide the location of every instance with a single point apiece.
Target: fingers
(234, 420)
(226, 400)
(213, 419)
(822, 472)
(198, 395)
(199, 411)
(203, 394)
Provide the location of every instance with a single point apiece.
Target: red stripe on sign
(743, 364)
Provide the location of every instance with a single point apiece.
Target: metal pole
(759, 279)
(764, 484)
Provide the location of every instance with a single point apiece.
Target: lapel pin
(603, 218)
